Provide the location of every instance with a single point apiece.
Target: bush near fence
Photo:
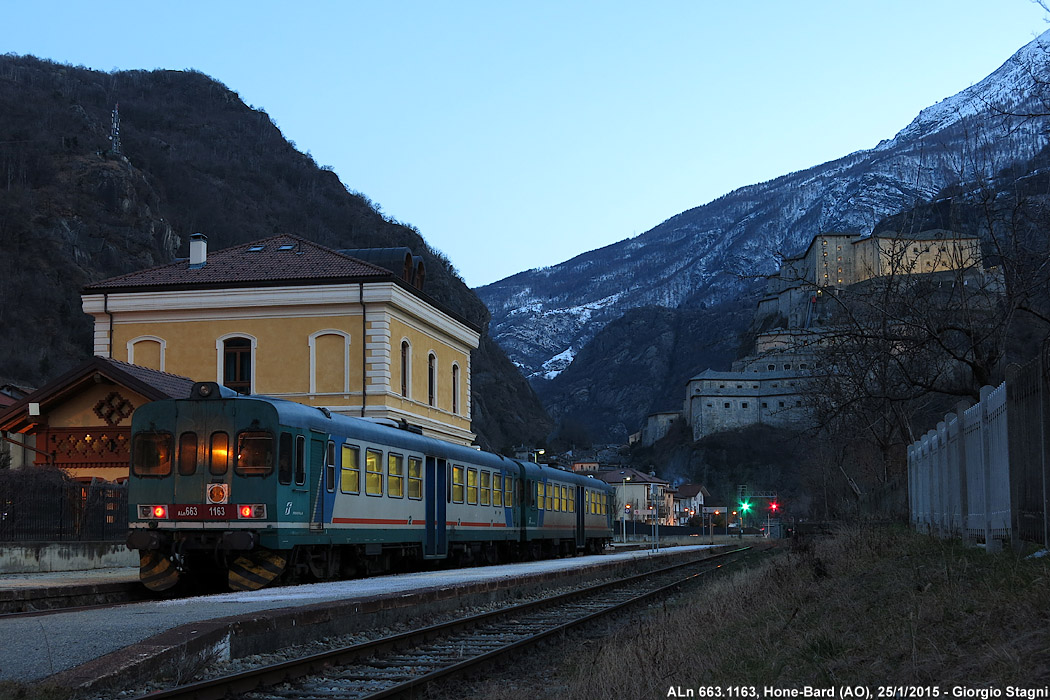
(39, 504)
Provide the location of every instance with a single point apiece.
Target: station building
(292, 319)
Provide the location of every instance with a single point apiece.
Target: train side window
(284, 459)
(254, 455)
(472, 486)
(539, 495)
(457, 483)
(395, 475)
(187, 454)
(497, 490)
(572, 499)
(374, 472)
(300, 460)
(415, 478)
(565, 499)
(151, 453)
(605, 504)
(350, 474)
(329, 467)
(486, 488)
(219, 461)
(550, 497)
(557, 497)
(508, 491)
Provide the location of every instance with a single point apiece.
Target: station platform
(123, 646)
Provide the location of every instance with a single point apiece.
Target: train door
(314, 477)
(581, 535)
(435, 480)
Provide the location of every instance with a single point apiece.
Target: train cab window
(395, 475)
(486, 488)
(329, 467)
(497, 490)
(457, 483)
(151, 453)
(415, 478)
(300, 460)
(284, 459)
(254, 453)
(472, 486)
(373, 472)
(350, 474)
(187, 454)
(219, 453)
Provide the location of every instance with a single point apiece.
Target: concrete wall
(21, 558)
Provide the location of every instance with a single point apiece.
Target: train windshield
(254, 453)
(151, 453)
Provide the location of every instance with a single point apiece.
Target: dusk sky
(518, 135)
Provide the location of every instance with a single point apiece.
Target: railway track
(403, 664)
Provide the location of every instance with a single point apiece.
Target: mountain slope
(193, 158)
(707, 255)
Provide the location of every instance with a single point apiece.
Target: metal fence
(982, 473)
(62, 512)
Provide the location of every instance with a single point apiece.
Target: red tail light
(255, 511)
(153, 512)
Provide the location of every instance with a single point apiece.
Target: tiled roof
(279, 259)
(173, 386)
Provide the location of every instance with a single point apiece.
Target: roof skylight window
(286, 246)
(255, 248)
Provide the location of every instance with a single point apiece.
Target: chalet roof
(151, 383)
(278, 260)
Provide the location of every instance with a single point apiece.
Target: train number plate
(204, 512)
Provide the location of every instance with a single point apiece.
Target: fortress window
(726, 405)
(743, 405)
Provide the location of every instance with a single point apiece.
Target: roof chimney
(198, 251)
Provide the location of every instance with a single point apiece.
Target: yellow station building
(292, 319)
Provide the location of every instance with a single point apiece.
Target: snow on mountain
(706, 255)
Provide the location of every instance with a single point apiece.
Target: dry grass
(868, 607)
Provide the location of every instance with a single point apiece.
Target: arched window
(147, 351)
(237, 364)
(455, 389)
(406, 366)
(432, 379)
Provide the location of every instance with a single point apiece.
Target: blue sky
(517, 135)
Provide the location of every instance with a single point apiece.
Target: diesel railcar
(253, 489)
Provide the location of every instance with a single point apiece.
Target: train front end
(202, 490)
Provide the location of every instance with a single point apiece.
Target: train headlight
(153, 512)
(218, 493)
(251, 512)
